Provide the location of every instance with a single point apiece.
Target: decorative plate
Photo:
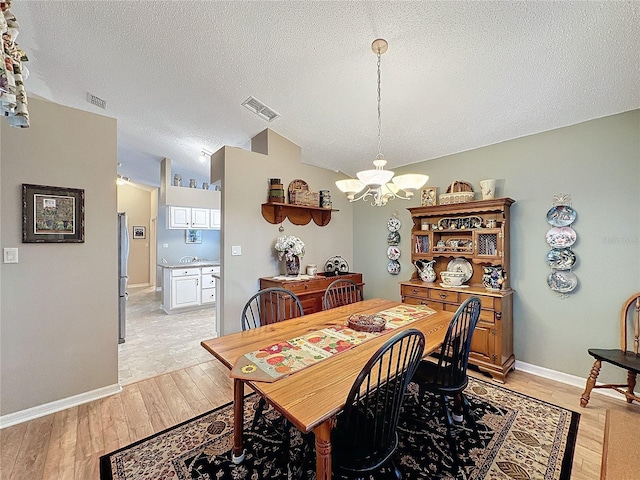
(336, 264)
(461, 265)
(561, 237)
(561, 258)
(393, 253)
(394, 224)
(561, 216)
(562, 282)
(393, 267)
(393, 238)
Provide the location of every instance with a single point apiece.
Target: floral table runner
(283, 358)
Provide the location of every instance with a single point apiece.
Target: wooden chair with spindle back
(623, 357)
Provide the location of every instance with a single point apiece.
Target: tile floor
(157, 343)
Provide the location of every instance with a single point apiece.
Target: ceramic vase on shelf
(488, 188)
(426, 271)
(493, 277)
(293, 266)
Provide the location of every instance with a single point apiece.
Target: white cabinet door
(185, 291)
(179, 217)
(199, 218)
(215, 219)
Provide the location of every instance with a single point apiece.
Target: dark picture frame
(52, 214)
(139, 232)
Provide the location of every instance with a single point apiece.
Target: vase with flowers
(292, 250)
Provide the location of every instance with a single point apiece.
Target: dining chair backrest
(366, 430)
(270, 305)
(341, 292)
(451, 372)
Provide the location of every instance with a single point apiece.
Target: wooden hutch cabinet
(478, 232)
(310, 291)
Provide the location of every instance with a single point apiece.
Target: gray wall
(59, 304)
(598, 163)
(245, 176)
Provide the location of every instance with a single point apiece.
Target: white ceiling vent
(97, 101)
(260, 109)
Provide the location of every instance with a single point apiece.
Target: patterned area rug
(509, 436)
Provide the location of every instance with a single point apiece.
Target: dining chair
(269, 305)
(624, 357)
(341, 292)
(448, 377)
(365, 437)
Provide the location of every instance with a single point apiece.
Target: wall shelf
(297, 214)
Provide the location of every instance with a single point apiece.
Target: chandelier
(379, 185)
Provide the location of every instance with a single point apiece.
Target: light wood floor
(67, 445)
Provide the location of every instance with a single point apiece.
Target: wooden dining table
(311, 398)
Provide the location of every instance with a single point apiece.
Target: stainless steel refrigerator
(123, 254)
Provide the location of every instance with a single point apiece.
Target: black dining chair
(341, 292)
(270, 305)
(448, 377)
(365, 437)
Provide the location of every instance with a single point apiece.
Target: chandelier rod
(380, 155)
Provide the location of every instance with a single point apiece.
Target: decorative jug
(425, 270)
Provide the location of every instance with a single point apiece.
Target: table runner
(283, 358)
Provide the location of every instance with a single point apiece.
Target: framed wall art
(193, 236)
(429, 197)
(139, 231)
(52, 214)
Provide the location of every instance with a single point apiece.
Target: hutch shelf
(479, 233)
(297, 214)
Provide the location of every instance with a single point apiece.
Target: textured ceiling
(457, 76)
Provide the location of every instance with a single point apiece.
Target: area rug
(507, 436)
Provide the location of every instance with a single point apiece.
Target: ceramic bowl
(452, 278)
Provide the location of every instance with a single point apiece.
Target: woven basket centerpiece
(366, 323)
(458, 192)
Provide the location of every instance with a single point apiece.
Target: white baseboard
(565, 378)
(135, 285)
(57, 406)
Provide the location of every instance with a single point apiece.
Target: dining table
(312, 397)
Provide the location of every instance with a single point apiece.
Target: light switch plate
(10, 255)
(236, 250)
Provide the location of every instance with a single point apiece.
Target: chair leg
(451, 433)
(631, 383)
(591, 382)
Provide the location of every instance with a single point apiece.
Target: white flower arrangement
(289, 247)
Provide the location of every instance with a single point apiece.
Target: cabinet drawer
(488, 316)
(414, 290)
(208, 295)
(184, 272)
(422, 301)
(208, 281)
(211, 270)
(443, 295)
(311, 304)
(486, 302)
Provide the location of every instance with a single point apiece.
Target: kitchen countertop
(190, 264)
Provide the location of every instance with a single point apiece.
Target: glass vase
(293, 266)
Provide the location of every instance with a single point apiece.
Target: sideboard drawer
(486, 302)
(422, 301)
(413, 290)
(443, 295)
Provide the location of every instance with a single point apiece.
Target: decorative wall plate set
(561, 237)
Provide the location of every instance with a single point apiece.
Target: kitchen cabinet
(214, 222)
(187, 287)
(474, 235)
(310, 291)
(190, 218)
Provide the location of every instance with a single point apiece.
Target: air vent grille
(260, 109)
(97, 101)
